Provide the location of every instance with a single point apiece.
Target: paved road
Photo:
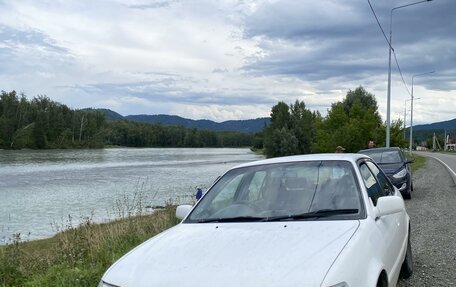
(449, 160)
(433, 220)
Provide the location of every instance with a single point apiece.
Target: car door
(390, 228)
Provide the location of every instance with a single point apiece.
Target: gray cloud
(220, 70)
(13, 38)
(332, 39)
(167, 90)
(153, 4)
(29, 49)
(238, 57)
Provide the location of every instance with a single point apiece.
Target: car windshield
(285, 191)
(385, 157)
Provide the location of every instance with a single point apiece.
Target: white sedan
(312, 220)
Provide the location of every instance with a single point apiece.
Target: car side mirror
(387, 205)
(183, 210)
(409, 160)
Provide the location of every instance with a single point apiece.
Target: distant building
(451, 146)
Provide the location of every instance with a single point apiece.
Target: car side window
(374, 189)
(387, 189)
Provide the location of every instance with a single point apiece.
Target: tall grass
(79, 255)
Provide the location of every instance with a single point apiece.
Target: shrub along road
(433, 220)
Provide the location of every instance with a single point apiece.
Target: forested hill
(423, 133)
(41, 123)
(109, 115)
(445, 125)
(245, 126)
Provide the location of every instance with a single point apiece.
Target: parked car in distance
(395, 165)
(326, 220)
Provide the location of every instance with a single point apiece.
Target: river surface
(41, 190)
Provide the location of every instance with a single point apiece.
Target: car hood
(391, 168)
(235, 254)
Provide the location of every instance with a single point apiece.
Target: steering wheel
(247, 203)
(239, 208)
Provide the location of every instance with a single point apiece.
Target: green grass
(79, 255)
(419, 162)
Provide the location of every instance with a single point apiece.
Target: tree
(39, 129)
(396, 135)
(280, 116)
(292, 130)
(350, 123)
(282, 142)
(303, 126)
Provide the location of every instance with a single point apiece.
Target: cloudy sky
(227, 59)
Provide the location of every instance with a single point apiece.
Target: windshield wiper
(314, 214)
(232, 219)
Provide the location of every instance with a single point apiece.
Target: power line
(379, 25)
(389, 44)
(400, 72)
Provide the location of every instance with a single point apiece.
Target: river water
(41, 190)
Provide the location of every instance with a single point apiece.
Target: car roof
(380, 149)
(351, 157)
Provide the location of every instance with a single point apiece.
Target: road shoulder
(433, 220)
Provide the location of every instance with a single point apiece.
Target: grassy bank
(419, 162)
(80, 255)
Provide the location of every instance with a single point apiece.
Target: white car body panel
(260, 254)
(207, 255)
(365, 253)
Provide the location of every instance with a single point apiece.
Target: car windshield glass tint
(385, 157)
(286, 189)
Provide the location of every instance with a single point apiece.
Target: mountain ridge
(443, 125)
(246, 126)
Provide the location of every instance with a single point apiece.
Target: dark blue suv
(395, 165)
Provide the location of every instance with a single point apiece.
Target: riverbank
(79, 255)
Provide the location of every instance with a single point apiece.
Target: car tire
(382, 281)
(411, 186)
(407, 195)
(407, 265)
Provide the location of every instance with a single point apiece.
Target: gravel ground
(432, 212)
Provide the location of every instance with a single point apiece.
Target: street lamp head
(388, 98)
(422, 74)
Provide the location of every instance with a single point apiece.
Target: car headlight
(401, 173)
(104, 284)
(341, 284)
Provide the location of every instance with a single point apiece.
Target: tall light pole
(388, 99)
(405, 114)
(411, 110)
